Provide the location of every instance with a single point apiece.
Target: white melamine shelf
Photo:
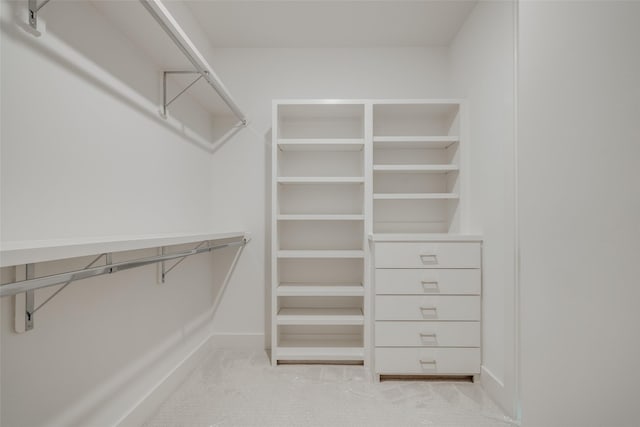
(318, 144)
(412, 142)
(34, 251)
(320, 217)
(424, 237)
(297, 350)
(320, 316)
(320, 254)
(414, 196)
(416, 168)
(321, 180)
(320, 289)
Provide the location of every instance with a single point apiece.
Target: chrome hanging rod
(182, 41)
(57, 279)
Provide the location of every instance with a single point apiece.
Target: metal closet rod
(179, 37)
(57, 279)
(182, 41)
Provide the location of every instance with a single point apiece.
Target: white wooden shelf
(416, 168)
(318, 144)
(320, 289)
(413, 142)
(320, 217)
(320, 180)
(320, 316)
(296, 350)
(420, 237)
(320, 254)
(34, 251)
(414, 196)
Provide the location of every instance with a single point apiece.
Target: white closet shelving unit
(393, 171)
(417, 166)
(318, 234)
(427, 276)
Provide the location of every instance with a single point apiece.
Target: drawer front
(427, 334)
(440, 361)
(437, 307)
(427, 255)
(428, 281)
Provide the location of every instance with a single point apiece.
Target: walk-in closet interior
(319, 213)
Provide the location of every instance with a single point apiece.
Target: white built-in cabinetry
(369, 259)
(427, 304)
(318, 233)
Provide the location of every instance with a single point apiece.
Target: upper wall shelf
(130, 19)
(35, 251)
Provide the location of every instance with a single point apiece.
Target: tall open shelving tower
(318, 231)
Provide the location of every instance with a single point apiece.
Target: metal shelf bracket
(166, 103)
(34, 8)
(166, 271)
(30, 309)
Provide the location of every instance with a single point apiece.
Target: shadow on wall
(79, 38)
(108, 338)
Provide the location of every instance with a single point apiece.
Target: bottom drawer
(428, 361)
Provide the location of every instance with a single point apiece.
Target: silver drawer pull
(425, 335)
(429, 285)
(429, 312)
(429, 258)
(427, 361)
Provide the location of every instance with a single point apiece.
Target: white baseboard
(495, 389)
(245, 341)
(150, 403)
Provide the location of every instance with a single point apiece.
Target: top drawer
(427, 255)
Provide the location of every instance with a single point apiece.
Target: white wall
(84, 153)
(482, 71)
(242, 174)
(579, 147)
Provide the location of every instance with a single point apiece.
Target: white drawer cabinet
(427, 307)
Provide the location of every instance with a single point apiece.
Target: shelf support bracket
(31, 309)
(34, 8)
(166, 103)
(166, 271)
(30, 298)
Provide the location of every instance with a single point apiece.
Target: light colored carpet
(241, 388)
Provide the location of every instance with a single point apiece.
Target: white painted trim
(495, 388)
(151, 401)
(110, 403)
(517, 385)
(245, 341)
